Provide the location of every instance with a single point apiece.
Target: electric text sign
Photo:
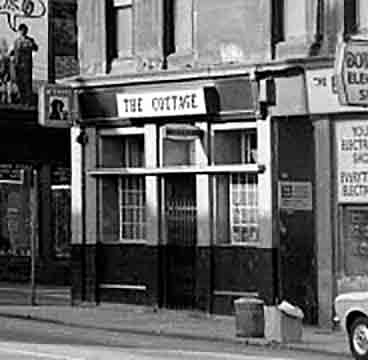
(352, 72)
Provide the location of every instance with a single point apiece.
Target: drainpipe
(82, 139)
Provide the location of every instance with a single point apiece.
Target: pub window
(119, 29)
(236, 193)
(123, 197)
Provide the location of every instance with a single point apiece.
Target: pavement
(53, 306)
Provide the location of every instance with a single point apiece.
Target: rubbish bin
(249, 317)
(284, 323)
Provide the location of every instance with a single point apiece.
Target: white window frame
(234, 126)
(122, 132)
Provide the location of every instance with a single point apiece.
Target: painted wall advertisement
(23, 49)
(352, 161)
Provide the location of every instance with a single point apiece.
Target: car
(352, 314)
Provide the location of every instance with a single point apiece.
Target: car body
(352, 314)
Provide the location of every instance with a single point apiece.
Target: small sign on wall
(55, 106)
(352, 161)
(295, 195)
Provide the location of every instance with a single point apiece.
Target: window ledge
(248, 244)
(125, 242)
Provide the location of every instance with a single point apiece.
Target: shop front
(34, 199)
(177, 206)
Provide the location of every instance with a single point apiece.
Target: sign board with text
(323, 94)
(352, 72)
(352, 161)
(164, 103)
(295, 195)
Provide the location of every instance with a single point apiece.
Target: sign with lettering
(322, 93)
(168, 103)
(55, 105)
(352, 72)
(352, 161)
(295, 195)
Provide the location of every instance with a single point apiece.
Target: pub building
(174, 191)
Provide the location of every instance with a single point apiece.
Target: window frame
(242, 127)
(120, 133)
(112, 31)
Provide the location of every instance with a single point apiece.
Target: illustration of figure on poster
(16, 61)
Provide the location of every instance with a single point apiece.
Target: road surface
(27, 339)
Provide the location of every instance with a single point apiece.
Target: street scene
(184, 179)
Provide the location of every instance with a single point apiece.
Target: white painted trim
(122, 3)
(122, 131)
(60, 187)
(235, 126)
(123, 287)
(235, 293)
(213, 169)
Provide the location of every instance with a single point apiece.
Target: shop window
(236, 193)
(123, 197)
(120, 29)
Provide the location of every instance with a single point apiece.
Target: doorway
(181, 230)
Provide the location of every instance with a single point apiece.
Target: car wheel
(358, 338)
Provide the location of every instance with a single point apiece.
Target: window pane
(123, 151)
(243, 208)
(183, 25)
(124, 31)
(132, 205)
(295, 9)
(235, 147)
(177, 153)
(363, 14)
(110, 210)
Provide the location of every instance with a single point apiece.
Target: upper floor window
(355, 16)
(120, 28)
(362, 14)
(184, 22)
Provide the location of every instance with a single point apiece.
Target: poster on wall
(295, 195)
(23, 50)
(352, 161)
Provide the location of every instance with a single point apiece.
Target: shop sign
(352, 72)
(11, 173)
(55, 105)
(295, 195)
(352, 161)
(323, 95)
(167, 103)
(182, 132)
